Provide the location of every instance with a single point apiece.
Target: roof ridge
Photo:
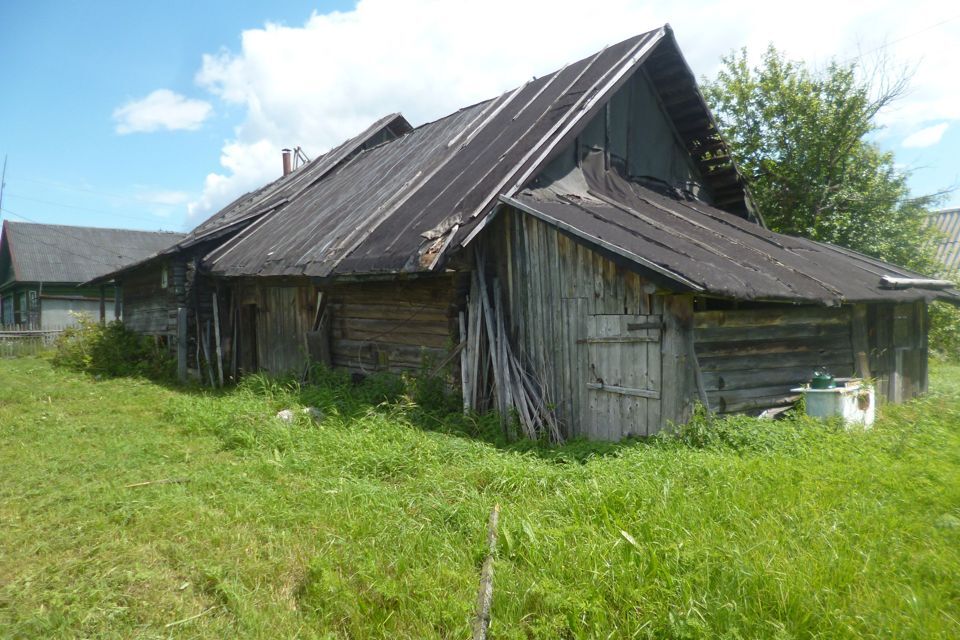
(20, 223)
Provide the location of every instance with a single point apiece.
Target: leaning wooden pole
(216, 334)
(485, 596)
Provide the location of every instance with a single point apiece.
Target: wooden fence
(16, 342)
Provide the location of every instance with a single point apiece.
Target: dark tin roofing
(947, 222)
(59, 253)
(401, 206)
(287, 188)
(249, 207)
(706, 249)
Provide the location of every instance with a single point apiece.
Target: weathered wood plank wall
(557, 289)
(752, 358)
(897, 340)
(284, 313)
(148, 307)
(392, 326)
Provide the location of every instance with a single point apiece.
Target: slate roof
(68, 254)
(948, 249)
(706, 249)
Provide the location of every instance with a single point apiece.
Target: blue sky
(153, 115)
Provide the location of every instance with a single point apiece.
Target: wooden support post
(697, 372)
(859, 341)
(216, 335)
(103, 305)
(117, 302)
(206, 352)
(182, 344)
(464, 365)
(896, 376)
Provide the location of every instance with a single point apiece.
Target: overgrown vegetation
(801, 139)
(370, 521)
(111, 350)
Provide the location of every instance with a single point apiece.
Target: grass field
(372, 522)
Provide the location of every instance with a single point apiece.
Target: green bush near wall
(111, 350)
(945, 331)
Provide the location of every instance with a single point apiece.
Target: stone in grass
(287, 415)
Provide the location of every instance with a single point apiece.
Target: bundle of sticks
(488, 362)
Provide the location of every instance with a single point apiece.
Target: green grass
(372, 522)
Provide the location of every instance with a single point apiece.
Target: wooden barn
(580, 251)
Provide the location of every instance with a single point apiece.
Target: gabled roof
(704, 249)
(277, 194)
(68, 254)
(283, 190)
(402, 206)
(947, 222)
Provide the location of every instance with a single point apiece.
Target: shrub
(111, 350)
(945, 331)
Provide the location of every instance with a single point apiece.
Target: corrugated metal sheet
(60, 253)
(948, 249)
(705, 248)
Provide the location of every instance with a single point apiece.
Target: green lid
(822, 380)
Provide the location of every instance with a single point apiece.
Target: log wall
(399, 326)
(148, 307)
(751, 358)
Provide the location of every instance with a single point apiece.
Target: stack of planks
(488, 360)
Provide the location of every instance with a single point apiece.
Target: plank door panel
(622, 375)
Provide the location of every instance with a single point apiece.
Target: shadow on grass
(427, 403)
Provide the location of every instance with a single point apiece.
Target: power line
(96, 192)
(79, 208)
(906, 37)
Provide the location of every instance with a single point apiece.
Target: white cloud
(162, 109)
(317, 84)
(926, 137)
(246, 164)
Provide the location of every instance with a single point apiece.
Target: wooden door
(622, 375)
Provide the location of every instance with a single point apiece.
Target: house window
(163, 277)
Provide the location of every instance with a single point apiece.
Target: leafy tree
(800, 138)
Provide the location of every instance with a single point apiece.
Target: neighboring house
(42, 264)
(593, 216)
(947, 222)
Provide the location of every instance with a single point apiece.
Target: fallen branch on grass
(194, 617)
(485, 596)
(164, 481)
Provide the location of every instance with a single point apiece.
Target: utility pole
(3, 179)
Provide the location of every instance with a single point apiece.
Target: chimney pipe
(287, 161)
